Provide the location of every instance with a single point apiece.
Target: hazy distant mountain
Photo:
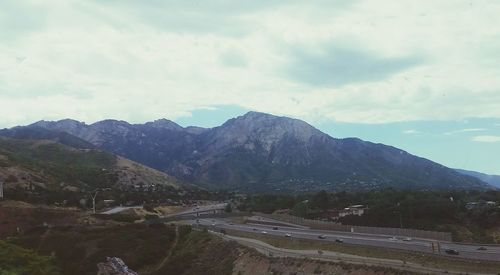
(259, 151)
(490, 179)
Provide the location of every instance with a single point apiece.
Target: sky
(419, 75)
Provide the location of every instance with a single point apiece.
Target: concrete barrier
(324, 225)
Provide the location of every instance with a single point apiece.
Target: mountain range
(255, 152)
(490, 179)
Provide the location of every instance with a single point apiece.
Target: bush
(151, 217)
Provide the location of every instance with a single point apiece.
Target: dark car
(451, 251)
(275, 228)
(482, 248)
(339, 240)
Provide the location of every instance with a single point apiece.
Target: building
(478, 205)
(334, 214)
(356, 210)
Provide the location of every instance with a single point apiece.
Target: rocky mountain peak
(60, 123)
(164, 124)
(64, 125)
(262, 125)
(110, 126)
(260, 130)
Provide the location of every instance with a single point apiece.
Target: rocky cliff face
(259, 151)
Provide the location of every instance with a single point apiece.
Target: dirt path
(331, 256)
(43, 238)
(171, 250)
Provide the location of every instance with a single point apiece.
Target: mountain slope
(47, 165)
(37, 133)
(493, 180)
(262, 152)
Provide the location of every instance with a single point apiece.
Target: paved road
(272, 251)
(416, 245)
(119, 209)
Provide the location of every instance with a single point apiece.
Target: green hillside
(48, 166)
(51, 165)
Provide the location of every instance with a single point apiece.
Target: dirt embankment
(251, 262)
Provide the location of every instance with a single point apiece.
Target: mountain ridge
(259, 151)
(490, 179)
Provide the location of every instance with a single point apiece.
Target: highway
(415, 245)
(337, 257)
(200, 209)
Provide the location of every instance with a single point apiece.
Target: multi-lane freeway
(477, 252)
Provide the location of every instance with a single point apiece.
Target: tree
(320, 200)
(300, 209)
(228, 208)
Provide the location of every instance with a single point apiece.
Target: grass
(198, 252)
(77, 250)
(59, 162)
(373, 252)
(15, 260)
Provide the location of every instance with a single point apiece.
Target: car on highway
(407, 239)
(482, 248)
(338, 240)
(393, 239)
(452, 252)
(322, 237)
(275, 228)
(288, 235)
(263, 232)
(254, 229)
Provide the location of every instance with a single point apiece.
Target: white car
(393, 239)
(288, 235)
(264, 232)
(407, 239)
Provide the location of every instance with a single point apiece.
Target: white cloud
(410, 132)
(90, 60)
(486, 138)
(467, 130)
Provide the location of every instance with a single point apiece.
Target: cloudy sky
(421, 75)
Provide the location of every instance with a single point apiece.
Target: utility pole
(1, 189)
(400, 216)
(93, 196)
